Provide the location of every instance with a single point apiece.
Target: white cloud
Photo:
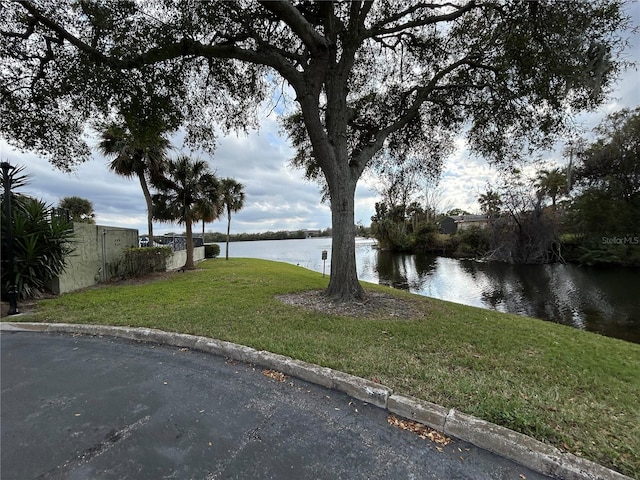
(463, 182)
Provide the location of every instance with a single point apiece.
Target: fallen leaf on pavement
(419, 429)
(281, 377)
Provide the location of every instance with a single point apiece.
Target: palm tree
(490, 204)
(79, 209)
(552, 183)
(211, 206)
(233, 201)
(135, 153)
(184, 189)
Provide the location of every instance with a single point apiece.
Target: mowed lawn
(576, 390)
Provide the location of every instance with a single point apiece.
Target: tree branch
(379, 28)
(359, 161)
(296, 21)
(421, 97)
(357, 16)
(264, 55)
(63, 33)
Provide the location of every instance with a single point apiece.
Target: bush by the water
(211, 250)
(473, 242)
(602, 250)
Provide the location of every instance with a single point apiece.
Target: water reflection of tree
(560, 293)
(404, 271)
(522, 289)
(586, 298)
(604, 299)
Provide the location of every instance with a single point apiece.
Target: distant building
(312, 233)
(457, 223)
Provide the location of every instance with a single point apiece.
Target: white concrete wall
(178, 259)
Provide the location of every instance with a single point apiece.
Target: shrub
(450, 243)
(41, 243)
(142, 261)
(426, 237)
(212, 250)
(474, 241)
(391, 235)
(605, 250)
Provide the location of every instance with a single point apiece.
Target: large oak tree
(373, 81)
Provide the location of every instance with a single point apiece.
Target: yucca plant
(41, 244)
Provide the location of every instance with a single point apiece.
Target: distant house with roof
(458, 223)
(312, 233)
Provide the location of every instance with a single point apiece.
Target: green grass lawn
(576, 390)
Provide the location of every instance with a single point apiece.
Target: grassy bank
(576, 390)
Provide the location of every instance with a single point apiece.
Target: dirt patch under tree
(375, 305)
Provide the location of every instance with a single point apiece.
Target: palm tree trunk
(147, 197)
(189, 264)
(228, 232)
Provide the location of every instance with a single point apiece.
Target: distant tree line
(216, 237)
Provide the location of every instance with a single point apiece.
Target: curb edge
(517, 447)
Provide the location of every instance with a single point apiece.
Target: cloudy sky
(278, 197)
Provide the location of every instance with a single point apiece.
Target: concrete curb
(509, 444)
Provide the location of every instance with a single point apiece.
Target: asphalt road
(78, 407)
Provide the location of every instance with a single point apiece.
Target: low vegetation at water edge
(576, 390)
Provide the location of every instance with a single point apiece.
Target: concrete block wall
(98, 252)
(178, 258)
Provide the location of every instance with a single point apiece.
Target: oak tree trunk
(343, 283)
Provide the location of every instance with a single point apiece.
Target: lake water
(600, 300)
